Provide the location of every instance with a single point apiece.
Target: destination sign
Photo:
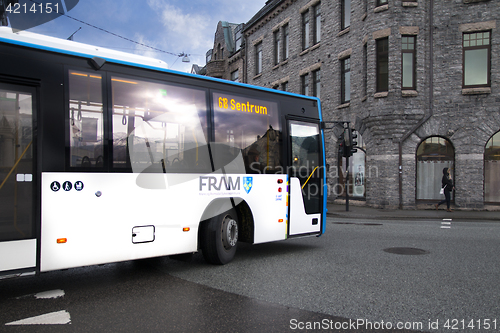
(226, 102)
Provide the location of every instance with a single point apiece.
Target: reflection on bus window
(158, 127)
(85, 119)
(249, 126)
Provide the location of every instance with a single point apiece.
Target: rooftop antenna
(71, 37)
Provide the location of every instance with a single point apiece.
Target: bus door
(17, 180)
(305, 182)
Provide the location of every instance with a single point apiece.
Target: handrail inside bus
(15, 165)
(309, 177)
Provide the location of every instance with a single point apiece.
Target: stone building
(225, 60)
(418, 80)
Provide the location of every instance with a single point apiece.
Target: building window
(284, 86)
(218, 55)
(382, 64)
(305, 84)
(492, 170)
(317, 83)
(408, 56)
(365, 70)
(346, 14)
(317, 24)
(209, 55)
(433, 155)
(238, 36)
(346, 80)
(476, 59)
(305, 30)
(286, 39)
(235, 76)
(277, 47)
(382, 2)
(258, 58)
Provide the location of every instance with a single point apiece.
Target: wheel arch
(244, 216)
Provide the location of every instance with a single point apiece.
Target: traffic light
(342, 150)
(354, 143)
(347, 136)
(349, 142)
(354, 136)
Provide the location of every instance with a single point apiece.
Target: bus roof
(48, 43)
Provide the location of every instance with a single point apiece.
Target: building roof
(269, 6)
(228, 35)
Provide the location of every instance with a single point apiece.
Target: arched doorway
(433, 155)
(492, 170)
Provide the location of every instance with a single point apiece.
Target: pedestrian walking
(447, 185)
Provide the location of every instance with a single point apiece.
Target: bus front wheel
(219, 238)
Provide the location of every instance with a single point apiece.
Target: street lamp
(185, 57)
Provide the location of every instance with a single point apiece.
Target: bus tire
(219, 238)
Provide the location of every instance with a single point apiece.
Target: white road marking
(446, 224)
(50, 294)
(53, 318)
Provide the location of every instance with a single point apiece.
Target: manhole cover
(405, 251)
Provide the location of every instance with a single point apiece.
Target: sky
(175, 26)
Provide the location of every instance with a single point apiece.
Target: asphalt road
(342, 279)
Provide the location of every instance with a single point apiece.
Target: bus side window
(251, 126)
(85, 119)
(158, 127)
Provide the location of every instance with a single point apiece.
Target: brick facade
(395, 122)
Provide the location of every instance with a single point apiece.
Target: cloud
(186, 30)
(146, 51)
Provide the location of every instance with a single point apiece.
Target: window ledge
(257, 76)
(410, 4)
(283, 63)
(315, 46)
(382, 94)
(364, 98)
(381, 8)
(310, 48)
(409, 93)
(476, 91)
(343, 106)
(343, 32)
(365, 15)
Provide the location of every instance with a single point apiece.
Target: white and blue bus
(107, 156)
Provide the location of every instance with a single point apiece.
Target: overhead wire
(117, 35)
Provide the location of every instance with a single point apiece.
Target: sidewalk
(363, 212)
